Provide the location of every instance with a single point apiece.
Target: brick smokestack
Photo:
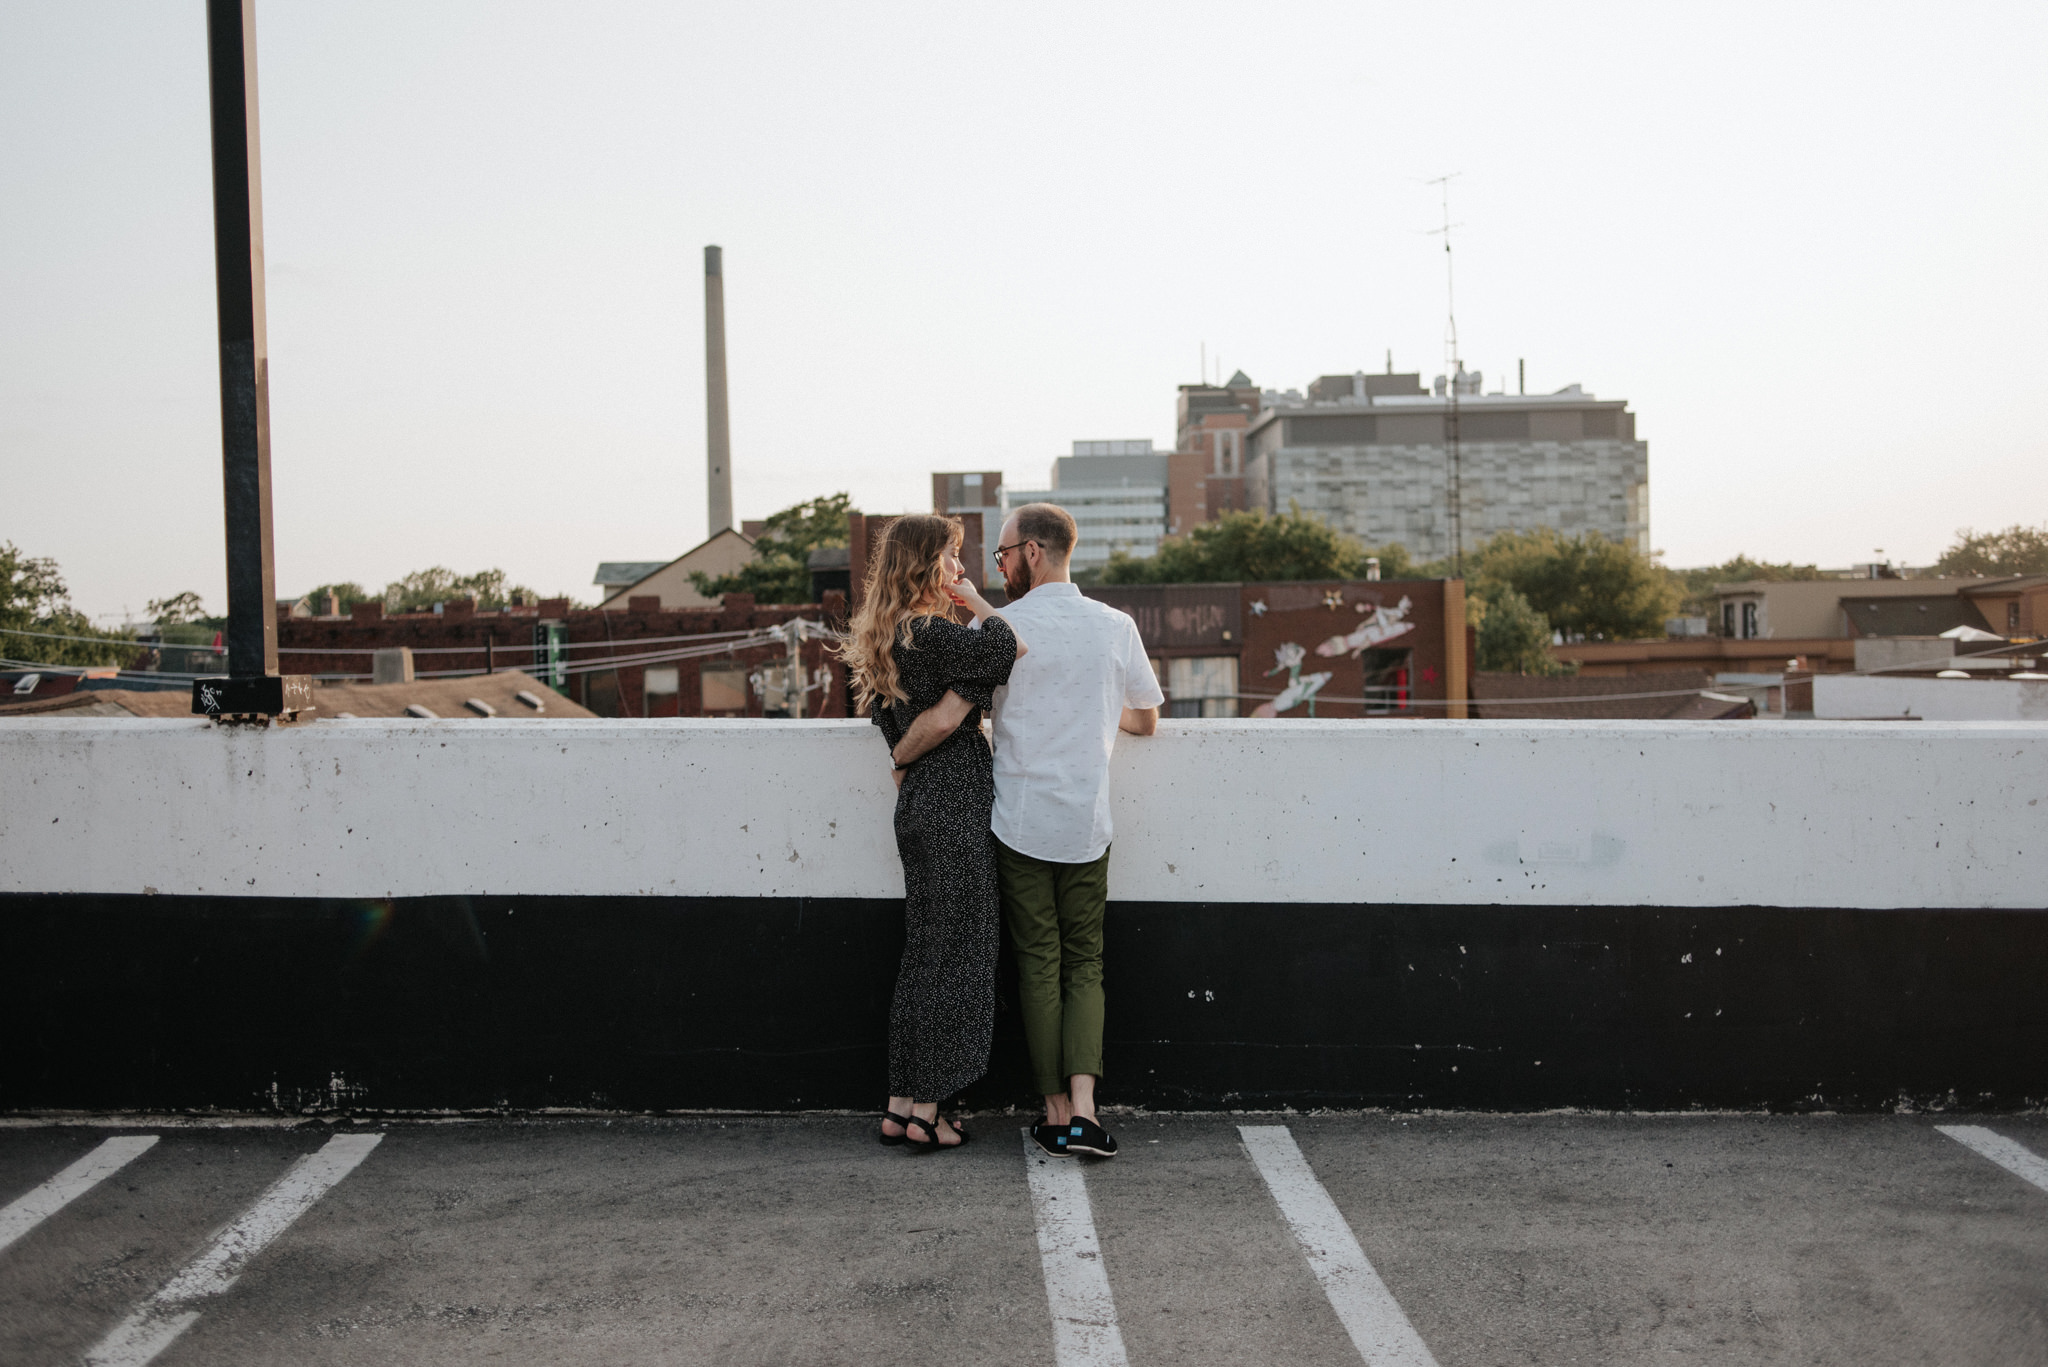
(718, 442)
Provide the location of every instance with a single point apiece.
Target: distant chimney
(718, 435)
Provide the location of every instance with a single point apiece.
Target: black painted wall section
(650, 1003)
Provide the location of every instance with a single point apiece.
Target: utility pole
(253, 690)
(1454, 365)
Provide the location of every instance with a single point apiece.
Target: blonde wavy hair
(906, 582)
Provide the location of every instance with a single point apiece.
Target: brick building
(642, 661)
(1351, 648)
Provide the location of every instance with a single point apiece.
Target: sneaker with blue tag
(1082, 1135)
(1053, 1139)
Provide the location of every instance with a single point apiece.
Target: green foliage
(1254, 547)
(176, 610)
(780, 571)
(2016, 550)
(1514, 638)
(1695, 587)
(33, 597)
(347, 594)
(420, 590)
(1586, 586)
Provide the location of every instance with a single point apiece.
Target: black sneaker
(1053, 1139)
(1082, 1135)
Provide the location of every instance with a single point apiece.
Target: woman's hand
(963, 592)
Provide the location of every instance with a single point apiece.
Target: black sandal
(931, 1128)
(892, 1140)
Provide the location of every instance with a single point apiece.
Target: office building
(1371, 455)
(1116, 491)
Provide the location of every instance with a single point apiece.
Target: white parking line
(1369, 1312)
(157, 1322)
(30, 1210)
(2014, 1157)
(1084, 1332)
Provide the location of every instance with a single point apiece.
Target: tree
(347, 594)
(421, 589)
(33, 597)
(1588, 587)
(780, 571)
(176, 610)
(1255, 547)
(1514, 638)
(1695, 587)
(2016, 550)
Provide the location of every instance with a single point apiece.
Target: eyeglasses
(1002, 551)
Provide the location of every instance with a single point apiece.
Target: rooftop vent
(420, 710)
(27, 683)
(531, 701)
(480, 707)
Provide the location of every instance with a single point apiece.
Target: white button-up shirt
(1056, 720)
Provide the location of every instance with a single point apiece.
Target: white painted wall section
(1431, 812)
(1857, 697)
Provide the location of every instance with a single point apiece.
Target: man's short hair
(1050, 525)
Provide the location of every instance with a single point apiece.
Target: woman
(906, 655)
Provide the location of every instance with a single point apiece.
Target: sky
(1804, 241)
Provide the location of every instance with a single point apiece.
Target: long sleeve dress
(943, 1015)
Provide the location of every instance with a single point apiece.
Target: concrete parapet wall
(387, 914)
(1615, 814)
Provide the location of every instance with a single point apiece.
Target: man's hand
(897, 774)
(1139, 721)
(933, 725)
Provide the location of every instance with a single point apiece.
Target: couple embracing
(1019, 838)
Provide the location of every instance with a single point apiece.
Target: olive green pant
(1054, 913)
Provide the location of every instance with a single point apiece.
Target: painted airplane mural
(1381, 624)
(1299, 688)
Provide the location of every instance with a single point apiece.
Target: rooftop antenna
(1453, 366)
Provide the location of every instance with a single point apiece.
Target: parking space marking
(1084, 1328)
(1368, 1311)
(2014, 1157)
(25, 1213)
(156, 1323)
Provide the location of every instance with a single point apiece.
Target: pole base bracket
(280, 696)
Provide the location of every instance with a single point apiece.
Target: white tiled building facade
(1116, 491)
(1378, 467)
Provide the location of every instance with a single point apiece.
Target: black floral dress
(943, 1015)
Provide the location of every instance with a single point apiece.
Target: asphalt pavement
(1213, 1239)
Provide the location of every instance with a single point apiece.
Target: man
(1086, 678)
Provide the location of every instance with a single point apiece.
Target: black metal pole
(253, 686)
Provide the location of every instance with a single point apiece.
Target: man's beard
(1016, 579)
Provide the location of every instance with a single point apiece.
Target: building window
(1387, 678)
(1727, 619)
(2012, 618)
(724, 690)
(1749, 621)
(660, 691)
(1202, 686)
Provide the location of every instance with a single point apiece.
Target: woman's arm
(969, 597)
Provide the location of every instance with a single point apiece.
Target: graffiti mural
(1300, 689)
(1380, 625)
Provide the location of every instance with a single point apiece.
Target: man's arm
(1139, 721)
(933, 725)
